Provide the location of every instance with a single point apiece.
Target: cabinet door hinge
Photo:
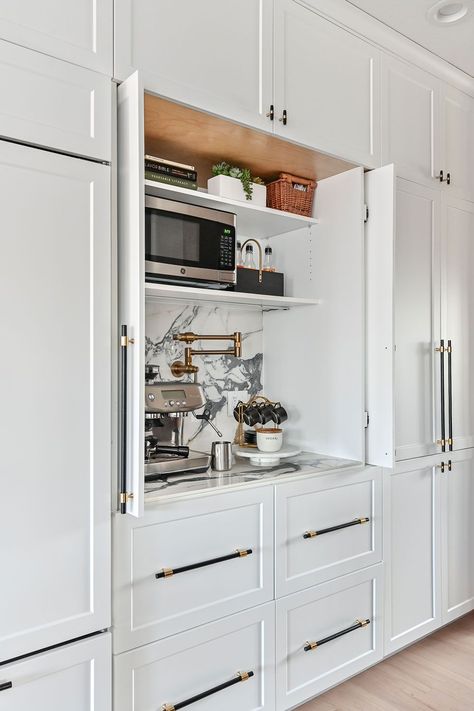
(366, 419)
(366, 213)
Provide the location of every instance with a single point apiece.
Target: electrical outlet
(234, 397)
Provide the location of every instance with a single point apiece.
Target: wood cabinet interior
(176, 132)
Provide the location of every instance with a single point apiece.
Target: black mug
(252, 415)
(279, 414)
(266, 413)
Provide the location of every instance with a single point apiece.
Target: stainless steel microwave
(189, 244)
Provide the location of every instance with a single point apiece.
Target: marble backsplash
(217, 374)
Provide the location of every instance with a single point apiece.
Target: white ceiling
(453, 42)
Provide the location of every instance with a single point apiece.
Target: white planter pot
(231, 188)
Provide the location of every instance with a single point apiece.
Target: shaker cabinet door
(458, 536)
(78, 32)
(74, 677)
(214, 55)
(410, 121)
(55, 380)
(417, 320)
(412, 540)
(327, 81)
(458, 316)
(457, 139)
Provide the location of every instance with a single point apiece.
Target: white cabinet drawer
(54, 104)
(207, 661)
(320, 641)
(198, 540)
(76, 677)
(318, 531)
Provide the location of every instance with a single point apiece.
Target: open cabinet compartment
(314, 354)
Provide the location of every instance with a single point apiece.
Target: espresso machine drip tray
(195, 463)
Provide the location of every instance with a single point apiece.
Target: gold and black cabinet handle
(6, 685)
(168, 572)
(241, 676)
(123, 418)
(442, 441)
(355, 522)
(450, 397)
(309, 646)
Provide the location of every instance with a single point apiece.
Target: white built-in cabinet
(457, 141)
(457, 496)
(429, 544)
(457, 314)
(327, 82)
(55, 422)
(427, 128)
(75, 677)
(417, 325)
(412, 542)
(77, 32)
(54, 104)
(327, 398)
(279, 67)
(216, 56)
(410, 120)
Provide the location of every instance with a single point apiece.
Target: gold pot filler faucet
(178, 368)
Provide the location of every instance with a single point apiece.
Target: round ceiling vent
(447, 12)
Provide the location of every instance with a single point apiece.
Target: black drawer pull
(309, 646)
(6, 685)
(355, 522)
(168, 572)
(241, 676)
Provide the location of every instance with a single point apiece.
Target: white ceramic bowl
(269, 440)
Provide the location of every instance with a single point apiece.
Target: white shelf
(252, 220)
(229, 298)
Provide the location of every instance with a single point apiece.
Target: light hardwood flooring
(436, 674)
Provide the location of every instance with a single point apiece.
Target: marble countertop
(243, 473)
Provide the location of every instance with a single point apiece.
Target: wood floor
(436, 673)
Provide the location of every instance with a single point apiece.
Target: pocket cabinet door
(55, 380)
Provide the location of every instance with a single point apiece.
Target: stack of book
(172, 173)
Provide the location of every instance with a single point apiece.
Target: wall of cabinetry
(244, 623)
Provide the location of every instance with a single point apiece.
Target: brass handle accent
(355, 522)
(260, 257)
(284, 117)
(309, 646)
(449, 350)
(241, 676)
(442, 441)
(168, 572)
(271, 113)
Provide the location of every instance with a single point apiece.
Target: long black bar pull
(309, 646)
(450, 397)
(241, 676)
(6, 685)
(168, 572)
(123, 419)
(355, 522)
(442, 441)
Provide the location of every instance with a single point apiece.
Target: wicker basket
(291, 194)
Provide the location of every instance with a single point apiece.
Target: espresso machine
(167, 405)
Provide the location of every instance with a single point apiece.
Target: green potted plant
(236, 183)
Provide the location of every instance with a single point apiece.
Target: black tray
(272, 282)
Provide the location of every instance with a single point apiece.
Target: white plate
(263, 459)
